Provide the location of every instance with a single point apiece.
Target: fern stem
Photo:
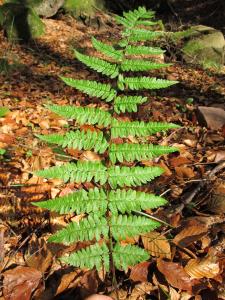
(153, 218)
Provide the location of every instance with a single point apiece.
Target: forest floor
(187, 256)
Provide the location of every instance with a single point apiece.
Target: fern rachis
(110, 207)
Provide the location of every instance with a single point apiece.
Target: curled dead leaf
(207, 267)
(184, 172)
(156, 244)
(140, 272)
(193, 230)
(20, 282)
(175, 275)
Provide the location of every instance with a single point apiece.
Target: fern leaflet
(126, 256)
(125, 176)
(98, 65)
(137, 83)
(131, 152)
(83, 115)
(90, 257)
(78, 140)
(82, 171)
(130, 200)
(135, 128)
(94, 201)
(85, 230)
(141, 65)
(92, 88)
(123, 226)
(128, 103)
(108, 50)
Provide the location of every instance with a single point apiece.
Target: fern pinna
(111, 208)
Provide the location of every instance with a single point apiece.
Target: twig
(189, 197)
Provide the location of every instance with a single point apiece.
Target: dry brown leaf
(179, 161)
(7, 138)
(90, 156)
(141, 291)
(174, 295)
(140, 272)
(89, 283)
(66, 280)
(156, 244)
(38, 255)
(175, 275)
(193, 230)
(184, 172)
(19, 283)
(207, 267)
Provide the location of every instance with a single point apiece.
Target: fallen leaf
(140, 272)
(175, 275)
(7, 138)
(179, 161)
(38, 255)
(66, 280)
(207, 267)
(193, 230)
(19, 283)
(156, 244)
(184, 172)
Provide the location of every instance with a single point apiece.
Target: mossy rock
(205, 46)
(20, 22)
(48, 8)
(84, 7)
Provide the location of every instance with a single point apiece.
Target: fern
(128, 103)
(99, 65)
(83, 115)
(107, 50)
(131, 152)
(143, 50)
(140, 65)
(93, 256)
(92, 88)
(125, 129)
(109, 209)
(78, 140)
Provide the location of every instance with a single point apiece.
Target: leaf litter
(186, 257)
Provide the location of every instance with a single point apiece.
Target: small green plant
(111, 208)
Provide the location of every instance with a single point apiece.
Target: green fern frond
(85, 230)
(130, 18)
(90, 257)
(128, 103)
(146, 23)
(93, 201)
(82, 171)
(123, 226)
(78, 140)
(99, 65)
(150, 83)
(141, 35)
(83, 115)
(108, 50)
(131, 200)
(129, 255)
(92, 88)
(135, 176)
(130, 152)
(141, 65)
(135, 128)
(143, 50)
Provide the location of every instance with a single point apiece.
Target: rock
(205, 46)
(48, 8)
(211, 117)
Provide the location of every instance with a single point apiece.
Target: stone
(48, 8)
(205, 46)
(211, 117)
